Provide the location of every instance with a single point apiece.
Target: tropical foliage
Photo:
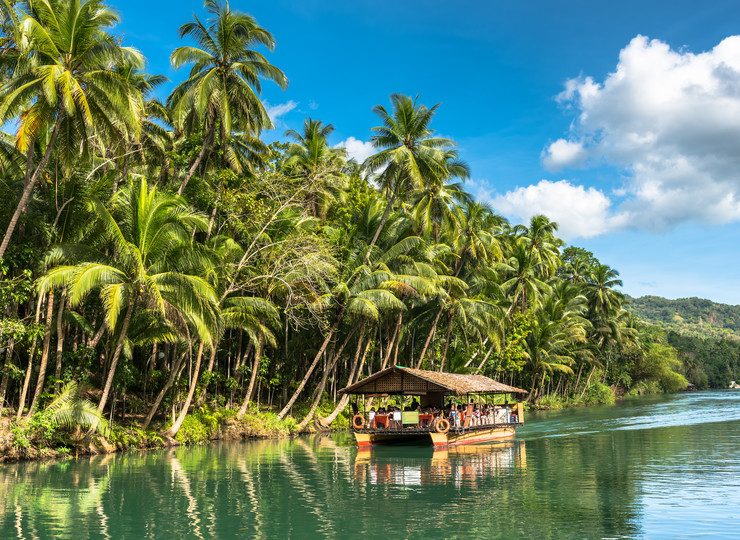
(173, 261)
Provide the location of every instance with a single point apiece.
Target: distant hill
(689, 316)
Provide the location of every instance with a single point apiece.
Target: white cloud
(671, 120)
(276, 111)
(562, 153)
(579, 211)
(357, 149)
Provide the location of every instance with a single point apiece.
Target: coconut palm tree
(408, 153)
(152, 262)
(63, 87)
(311, 158)
(222, 90)
(523, 273)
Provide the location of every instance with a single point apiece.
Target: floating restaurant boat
(430, 417)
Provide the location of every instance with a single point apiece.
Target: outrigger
(430, 417)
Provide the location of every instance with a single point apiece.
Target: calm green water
(649, 468)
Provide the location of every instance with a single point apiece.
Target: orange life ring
(442, 426)
(358, 421)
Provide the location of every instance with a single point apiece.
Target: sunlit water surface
(665, 467)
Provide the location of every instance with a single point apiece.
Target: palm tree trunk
(255, 370)
(578, 379)
(117, 354)
(44, 354)
(174, 374)
(392, 341)
(316, 359)
(185, 406)
(353, 375)
(203, 149)
(387, 212)
(29, 368)
(485, 359)
(60, 342)
(429, 337)
(447, 343)
(209, 369)
(6, 374)
(99, 334)
(324, 378)
(588, 381)
(30, 183)
(533, 389)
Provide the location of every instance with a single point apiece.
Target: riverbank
(39, 440)
(29, 440)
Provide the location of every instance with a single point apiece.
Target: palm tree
(152, 263)
(63, 83)
(523, 273)
(600, 290)
(437, 205)
(222, 89)
(311, 158)
(542, 243)
(408, 154)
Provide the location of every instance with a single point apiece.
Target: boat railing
(413, 421)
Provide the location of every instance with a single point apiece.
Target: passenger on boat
(452, 416)
(371, 417)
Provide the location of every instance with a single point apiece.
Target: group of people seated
(469, 415)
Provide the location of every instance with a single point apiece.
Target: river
(655, 467)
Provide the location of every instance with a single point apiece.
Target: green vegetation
(202, 283)
(694, 317)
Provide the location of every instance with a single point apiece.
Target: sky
(620, 121)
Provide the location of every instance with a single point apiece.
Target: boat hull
(452, 438)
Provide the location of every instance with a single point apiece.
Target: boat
(425, 412)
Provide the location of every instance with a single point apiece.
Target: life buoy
(358, 421)
(442, 426)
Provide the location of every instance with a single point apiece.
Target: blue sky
(619, 120)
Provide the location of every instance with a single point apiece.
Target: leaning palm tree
(152, 263)
(222, 91)
(63, 89)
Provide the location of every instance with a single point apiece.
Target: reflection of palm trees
(181, 478)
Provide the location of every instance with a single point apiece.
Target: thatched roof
(403, 380)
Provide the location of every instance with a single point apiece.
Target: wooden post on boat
(518, 410)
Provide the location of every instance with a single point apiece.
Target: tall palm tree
(408, 153)
(311, 158)
(222, 91)
(151, 263)
(63, 86)
(523, 273)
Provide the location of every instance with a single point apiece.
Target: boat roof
(403, 380)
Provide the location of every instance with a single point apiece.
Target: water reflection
(423, 466)
(598, 479)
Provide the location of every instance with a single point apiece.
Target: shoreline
(257, 425)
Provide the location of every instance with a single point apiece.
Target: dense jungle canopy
(161, 257)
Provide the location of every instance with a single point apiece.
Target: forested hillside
(695, 317)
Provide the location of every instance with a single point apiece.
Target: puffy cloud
(579, 211)
(357, 149)
(671, 120)
(562, 153)
(276, 111)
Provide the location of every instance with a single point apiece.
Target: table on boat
(425, 419)
(381, 420)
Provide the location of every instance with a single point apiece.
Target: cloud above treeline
(276, 112)
(669, 121)
(357, 149)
